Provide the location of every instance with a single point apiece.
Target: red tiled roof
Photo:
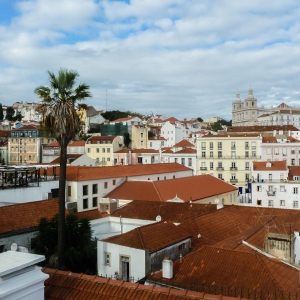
(63, 285)
(71, 144)
(156, 138)
(293, 171)
(167, 151)
(5, 133)
(184, 143)
(169, 211)
(152, 237)
(26, 215)
(95, 139)
(124, 119)
(227, 270)
(292, 140)
(81, 173)
(261, 128)
(269, 139)
(171, 120)
(274, 165)
(186, 150)
(187, 188)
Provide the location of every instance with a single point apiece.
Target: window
(157, 178)
(97, 150)
(247, 166)
(247, 154)
(183, 161)
(232, 145)
(142, 143)
(211, 145)
(253, 154)
(284, 151)
(259, 189)
(271, 203)
(203, 154)
(89, 150)
(295, 203)
(107, 258)
(85, 203)
(293, 162)
(253, 145)
(211, 154)
(220, 145)
(69, 191)
(176, 159)
(295, 190)
(190, 162)
(203, 145)
(246, 145)
(220, 176)
(233, 176)
(269, 152)
(108, 150)
(85, 190)
(108, 159)
(219, 154)
(95, 201)
(211, 165)
(105, 185)
(181, 246)
(258, 202)
(247, 176)
(220, 166)
(95, 188)
(230, 198)
(114, 181)
(142, 135)
(282, 188)
(233, 154)
(103, 150)
(293, 151)
(282, 202)
(296, 177)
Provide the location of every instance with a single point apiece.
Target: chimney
(167, 268)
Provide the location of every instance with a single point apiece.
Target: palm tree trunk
(61, 209)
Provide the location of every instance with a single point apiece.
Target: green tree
(81, 247)
(18, 117)
(59, 103)
(9, 113)
(116, 114)
(199, 119)
(1, 113)
(127, 139)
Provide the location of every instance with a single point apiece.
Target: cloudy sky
(182, 58)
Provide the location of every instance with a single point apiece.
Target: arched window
(269, 151)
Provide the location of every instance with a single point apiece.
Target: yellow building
(228, 157)
(139, 136)
(102, 148)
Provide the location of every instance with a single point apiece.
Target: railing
(272, 181)
(219, 168)
(233, 180)
(230, 157)
(233, 168)
(203, 168)
(271, 193)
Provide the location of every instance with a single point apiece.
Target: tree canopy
(81, 248)
(116, 114)
(9, 113)
(1, 112)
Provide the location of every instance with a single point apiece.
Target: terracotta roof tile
(67, 285)
(293, 171)
(186, 150)
(187, 188)
(57, 160)
(227, 270)
(138, 151)
(269, 139)
(80, 173)
(152, 237)
(169, 211)
(184, 143)
(272, 165)
(124, 119)
(26, 215)
(261, 128)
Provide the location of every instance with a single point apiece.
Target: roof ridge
(159, 195)
(141, 238)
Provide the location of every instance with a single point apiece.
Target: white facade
(186, 159)
(174, 133)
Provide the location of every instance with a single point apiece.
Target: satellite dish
(217, 201)
(13, 247)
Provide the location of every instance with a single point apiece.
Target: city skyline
(179, 58)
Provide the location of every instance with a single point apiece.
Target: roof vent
(167, 268)
(158, 218)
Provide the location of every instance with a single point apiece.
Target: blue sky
(181, 58)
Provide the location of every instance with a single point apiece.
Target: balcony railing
(203, 168)
(271, 193)
(230, 157)
(219, 168)
(233, 180)
(233, 168)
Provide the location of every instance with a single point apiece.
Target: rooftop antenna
(106, 102)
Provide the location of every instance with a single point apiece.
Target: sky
(180, 58)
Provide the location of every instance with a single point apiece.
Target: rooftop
(187, 188)
(269, 165)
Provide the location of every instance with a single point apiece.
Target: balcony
(220, 169)
(233, 169)
(233, 180)
(203, 168)
(271, 193)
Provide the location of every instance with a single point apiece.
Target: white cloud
(179, 57)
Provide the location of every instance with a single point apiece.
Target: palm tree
(59, 103)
